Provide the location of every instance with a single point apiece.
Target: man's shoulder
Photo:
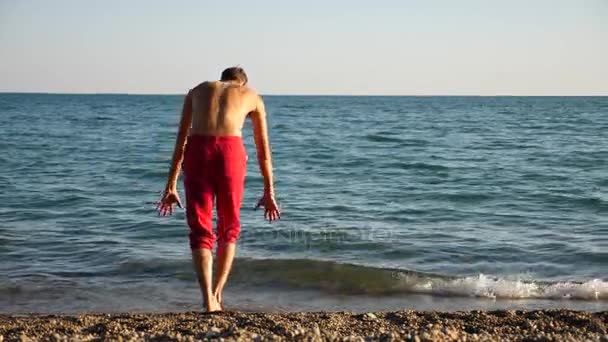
(250, 92)
(204, 85)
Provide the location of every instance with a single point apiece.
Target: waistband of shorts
(214, 138)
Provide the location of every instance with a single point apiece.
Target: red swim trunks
(214, 166)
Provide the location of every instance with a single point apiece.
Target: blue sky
(415, 47)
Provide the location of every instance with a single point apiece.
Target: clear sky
(392, 47)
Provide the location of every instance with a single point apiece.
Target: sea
(388, 203)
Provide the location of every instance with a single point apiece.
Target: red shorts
(214, 166)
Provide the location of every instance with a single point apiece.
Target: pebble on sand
(543, 325)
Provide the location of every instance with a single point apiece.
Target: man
(214, 163)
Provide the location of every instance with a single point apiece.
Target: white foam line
(488, 287)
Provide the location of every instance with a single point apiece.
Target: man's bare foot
(218, 300)
(213, 305)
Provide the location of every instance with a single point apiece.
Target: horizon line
(294, 95)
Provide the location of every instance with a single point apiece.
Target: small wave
(499, 288)
(349, 279)
(102, 118)
(290, 107)
(101, 107)
(382, 138)
(414, 142)
(417, 166)
(8, 108)
(506, 112)
(340, 278)
(466, 197)
(154, 267)
(591, 202)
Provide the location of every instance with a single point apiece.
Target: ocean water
(388, 203)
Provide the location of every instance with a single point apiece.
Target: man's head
(236, 74)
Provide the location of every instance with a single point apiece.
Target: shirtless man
(210, 147)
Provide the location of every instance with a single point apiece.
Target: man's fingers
(271, 211)
(275, 214)
(165, 209)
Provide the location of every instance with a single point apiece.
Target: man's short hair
(234, 74)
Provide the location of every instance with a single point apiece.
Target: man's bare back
(220, 108)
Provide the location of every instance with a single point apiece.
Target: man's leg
(225, 256)
(229, 196)
(203, 264)
(199, 209)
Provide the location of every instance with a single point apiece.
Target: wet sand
(542, 325)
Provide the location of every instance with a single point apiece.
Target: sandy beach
(544, 325)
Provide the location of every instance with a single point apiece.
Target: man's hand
(165, 205)
(271, 209)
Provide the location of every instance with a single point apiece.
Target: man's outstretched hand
(271, 209)
(165, 205)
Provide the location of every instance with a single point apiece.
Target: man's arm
(180, 143)
(260, 136)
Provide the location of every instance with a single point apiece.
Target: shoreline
(476, 325)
